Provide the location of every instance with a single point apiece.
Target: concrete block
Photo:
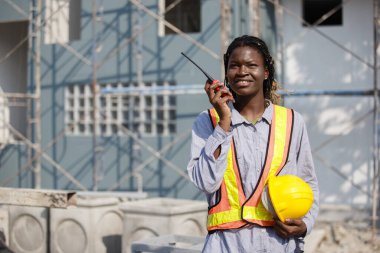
(169, 243)
(28, 231)
(161, 216)
(122, 196)
(4, 223)
(94, 226)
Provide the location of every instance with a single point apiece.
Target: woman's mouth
(242, 83)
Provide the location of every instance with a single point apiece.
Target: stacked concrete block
(4, 223)
(28, 229)
(94, 226)
(162, 216)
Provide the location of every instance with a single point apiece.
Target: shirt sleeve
(204, 170)
(306, 171)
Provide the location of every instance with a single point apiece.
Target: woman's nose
(242, 70)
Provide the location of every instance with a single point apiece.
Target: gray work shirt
(207, 173)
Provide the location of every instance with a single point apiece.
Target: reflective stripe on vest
(234, 210)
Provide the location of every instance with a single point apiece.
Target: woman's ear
(266, 74)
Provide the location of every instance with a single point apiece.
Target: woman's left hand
(289, 228)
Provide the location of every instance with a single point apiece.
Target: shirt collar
(268, 112)
(237, 118)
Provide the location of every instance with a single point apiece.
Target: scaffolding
(32, 100)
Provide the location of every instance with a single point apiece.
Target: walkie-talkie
(209, 78)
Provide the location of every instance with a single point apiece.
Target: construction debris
(346, 230)
(347, 238)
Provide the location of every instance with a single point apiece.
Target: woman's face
(246, 71)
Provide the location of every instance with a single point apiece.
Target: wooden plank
(37, 197)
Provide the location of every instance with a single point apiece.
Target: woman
(233, 153)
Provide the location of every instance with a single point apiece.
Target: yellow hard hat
(287, 196)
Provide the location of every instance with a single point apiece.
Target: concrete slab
(313, 240)
(161, 216)
(28, 229)
(94, 226)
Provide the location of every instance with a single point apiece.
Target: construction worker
(241, 142)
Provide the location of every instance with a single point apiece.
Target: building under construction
(96, 95)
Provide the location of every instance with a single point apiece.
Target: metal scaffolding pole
(376, 122)
(223, 37)
(225, 31)
(254, 15)
(36, 46)
(280, 40)
(94, 98)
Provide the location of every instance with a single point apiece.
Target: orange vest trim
(227, 183)
(273, 163)
(233, 209)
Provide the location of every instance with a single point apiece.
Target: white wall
(312, 62)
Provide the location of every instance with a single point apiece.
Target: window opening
(313, 10)
(184, 14)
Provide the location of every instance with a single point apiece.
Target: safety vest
(233, 208)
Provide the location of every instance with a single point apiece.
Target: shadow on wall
(3, 247)
(112, 243)
(341, 136)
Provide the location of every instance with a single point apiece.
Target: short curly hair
(270, 84)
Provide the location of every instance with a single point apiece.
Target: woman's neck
(250, 108)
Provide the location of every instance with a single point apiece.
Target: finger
(207, 87)
(291, 227)
(208, 84)
(228, 95)
(296, 227)
(220, 87)
(279, 223)
(218, 95)
(214, 90)
(292, 222)
(209, 90)
(281, 228)
(281, 232)
(225, 91)
(222, 99)
(216, 85)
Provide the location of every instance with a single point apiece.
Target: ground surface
(347, 238)
(347, 231)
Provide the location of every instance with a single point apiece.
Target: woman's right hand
(219, 96)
